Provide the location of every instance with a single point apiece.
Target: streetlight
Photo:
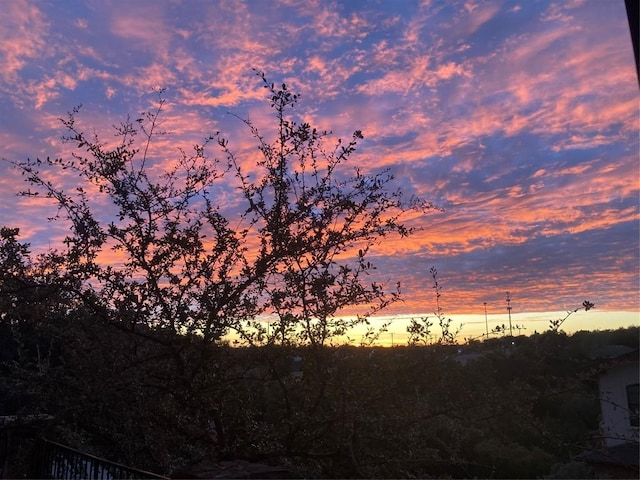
(486, 322)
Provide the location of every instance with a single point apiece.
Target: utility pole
(509, 311)
(392, 339)
(486, 322)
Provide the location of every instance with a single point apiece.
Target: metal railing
(56, 461)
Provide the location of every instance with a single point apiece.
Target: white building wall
(615, 423)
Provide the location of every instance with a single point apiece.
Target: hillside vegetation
(515, 410)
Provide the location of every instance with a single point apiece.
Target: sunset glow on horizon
(519, 119)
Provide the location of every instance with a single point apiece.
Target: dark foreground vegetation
(518, 411)
(115, 341)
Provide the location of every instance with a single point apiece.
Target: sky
(519, 119)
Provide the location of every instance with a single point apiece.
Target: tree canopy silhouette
(297, 250)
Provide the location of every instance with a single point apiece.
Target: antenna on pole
(509, 307)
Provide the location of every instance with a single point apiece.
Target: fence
(56, 461)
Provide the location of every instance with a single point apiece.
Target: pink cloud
(22, 32)
(144, 27)
(330, 24)
(478, 15)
